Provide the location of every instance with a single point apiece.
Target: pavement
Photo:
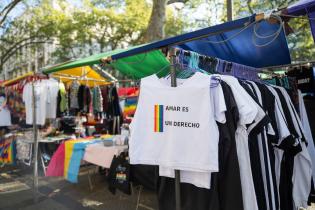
(16, 193)
(55, 193)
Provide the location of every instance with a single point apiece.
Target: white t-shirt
(248, 112)
(52, 96)
(41, 102)
(175, 126)
(5, 116)
(201, 179)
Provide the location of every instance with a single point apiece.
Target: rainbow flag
(74, 152)
(7, 152)
(130, 106)
(158, 118)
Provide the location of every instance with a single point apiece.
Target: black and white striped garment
(260, 144)
(296, 174)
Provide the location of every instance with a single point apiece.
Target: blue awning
(301, 7)
(241, 46)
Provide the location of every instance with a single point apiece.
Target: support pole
(172, 55)
(35, 130)
(35, 169)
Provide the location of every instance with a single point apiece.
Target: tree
(157, 22)
(94, 27)
(6, 9)
(19, 34)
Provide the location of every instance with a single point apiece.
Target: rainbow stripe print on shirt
(158, 118)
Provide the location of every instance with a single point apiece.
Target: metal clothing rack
(76, 78)
(32, 77)
(253, 70)
(79, 78)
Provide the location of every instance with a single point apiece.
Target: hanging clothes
(265, 150)
(15, 105)
(200, 179)
(40, 90)
(97, 100)
(52, 98)
(165, 107)
(105, 97)
(247, 113)
(85, 98)
(5, 115)
(226, 190)
(114, 108)
(73, 95)
(262, 147)
(308, 132)
(62, 106)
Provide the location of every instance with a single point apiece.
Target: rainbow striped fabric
(158, 118)
(74, 152)
(7, 152)
(130, 106)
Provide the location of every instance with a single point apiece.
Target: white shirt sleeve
(218, 103)
(246, 105)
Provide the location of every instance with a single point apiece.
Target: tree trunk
(155, 30)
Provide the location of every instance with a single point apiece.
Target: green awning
(135, 67)
(142, 65)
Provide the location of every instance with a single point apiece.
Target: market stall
(56, 118)
(243, 50)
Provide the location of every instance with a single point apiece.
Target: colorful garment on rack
(15, 105)
(130, 105)
(63, 98)
(128, 91)
(73, 95)
(114, 109)
(97, 100)
(7, 152)
(85, 98)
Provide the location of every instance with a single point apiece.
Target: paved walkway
(56, 193)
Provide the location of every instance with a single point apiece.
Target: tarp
(239, 44)
(134, 67)
(84, 75)
(17, 79)
(301, 7)
(304, 7)
(90, 76)
(88, 61)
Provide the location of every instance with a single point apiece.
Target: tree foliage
(93, 27)
(101, 25)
